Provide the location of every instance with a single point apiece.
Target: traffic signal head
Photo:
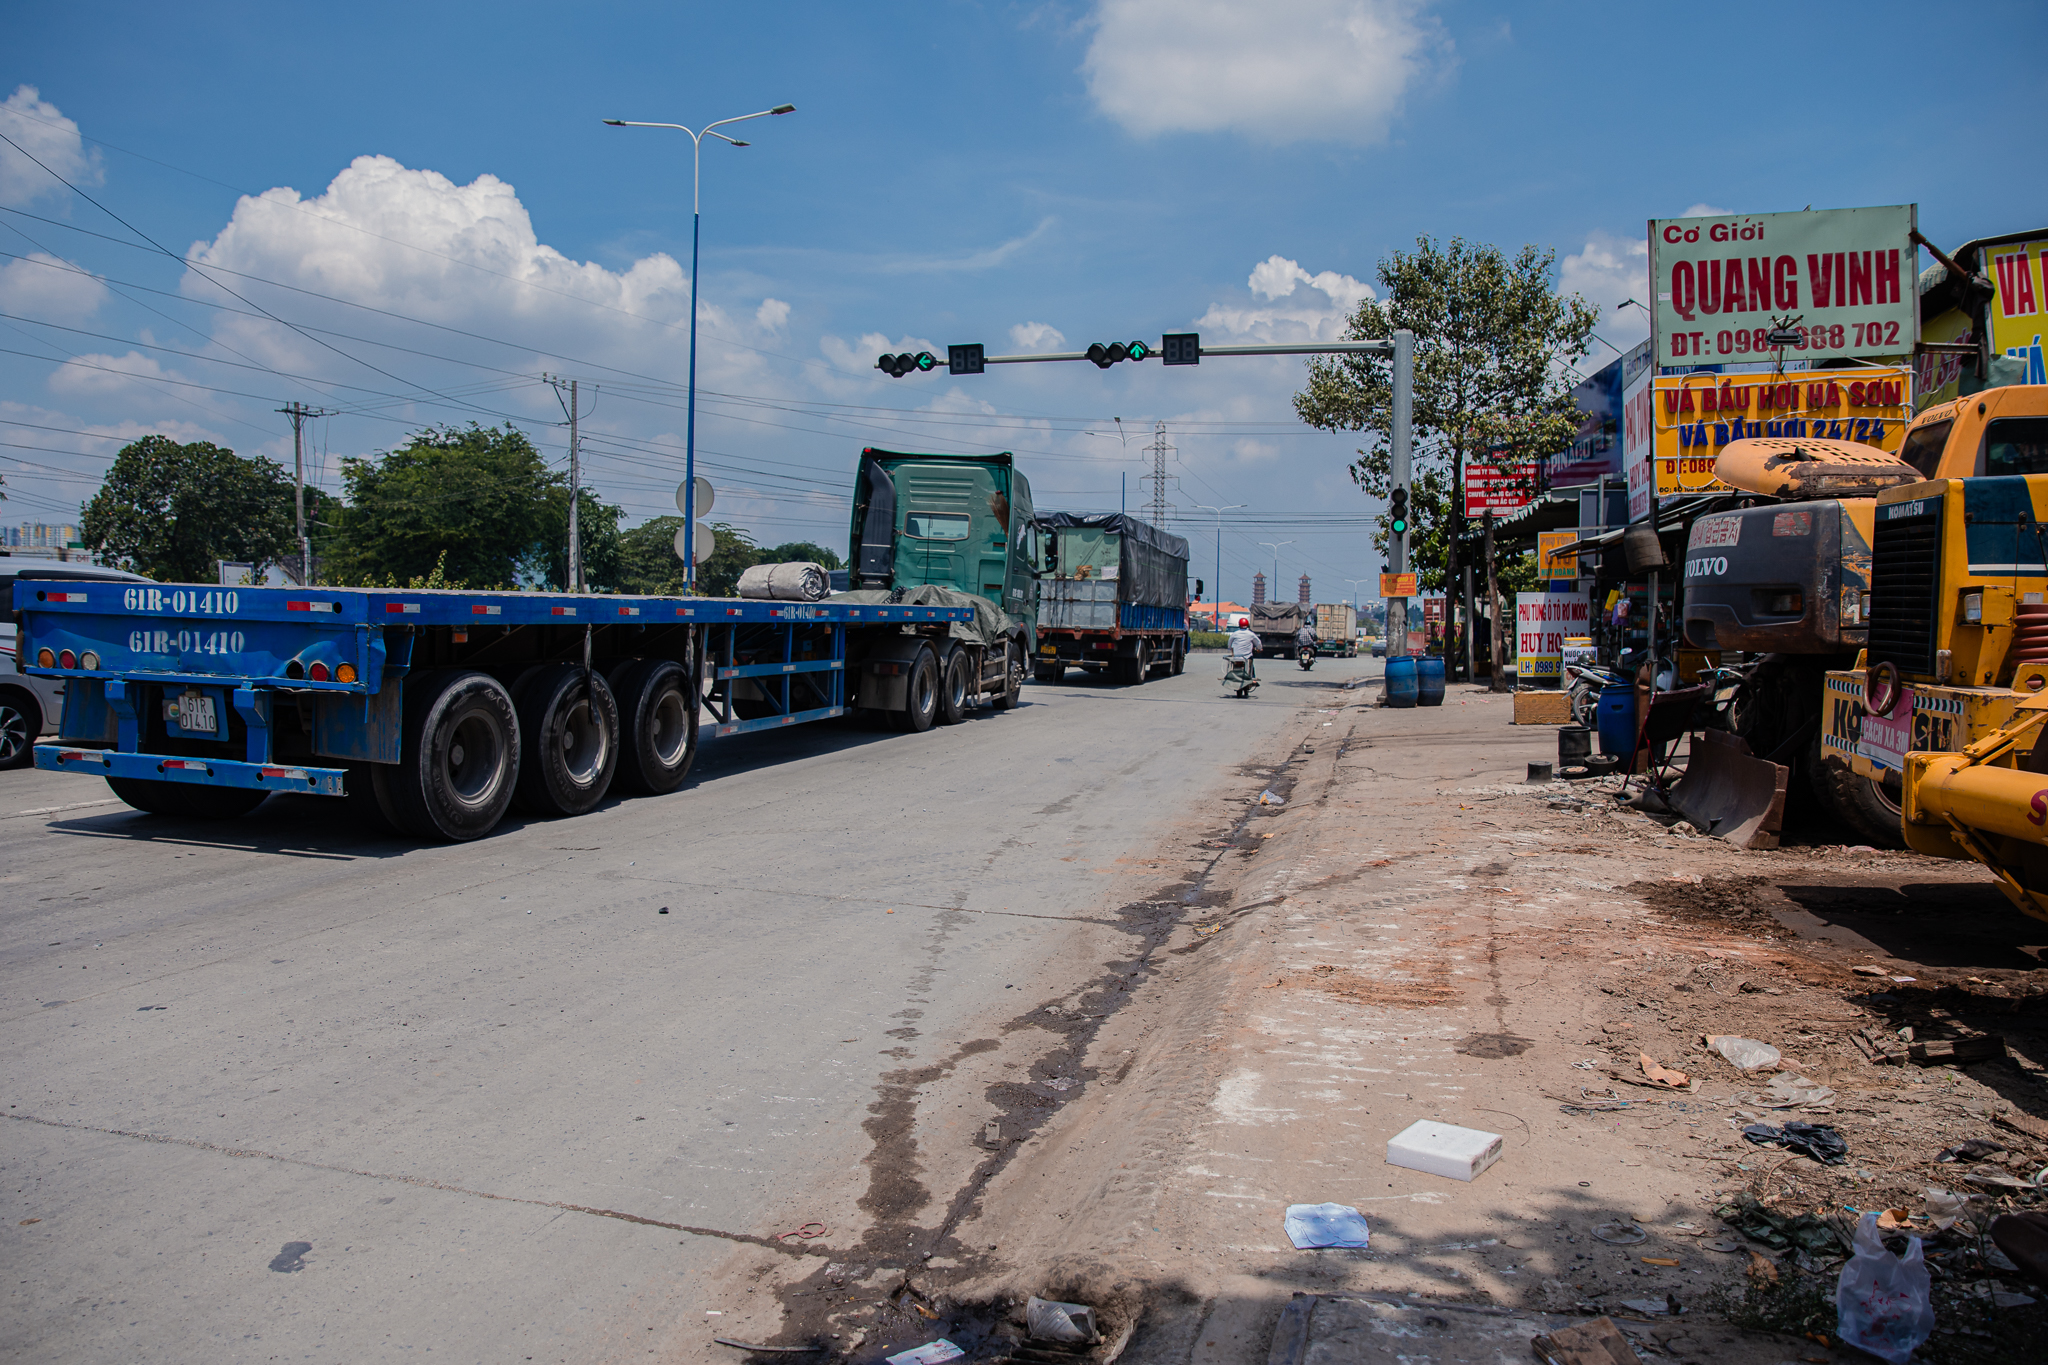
(1106, 356)
(896, 366)
(1397, 512)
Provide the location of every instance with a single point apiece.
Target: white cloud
(860, 354)
(42, 286)
(1304, 317)
(1705, 211)
(50, 138)
(1608, 271)
(1037, 336)
(1282, 71)
(98, 375)
(772, 314)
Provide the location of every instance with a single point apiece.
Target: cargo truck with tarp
(1275, 623)
(1113, 598)
(1337, 629)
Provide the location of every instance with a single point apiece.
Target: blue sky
(1000, 172)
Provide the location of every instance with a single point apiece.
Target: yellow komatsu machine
(1952, 692)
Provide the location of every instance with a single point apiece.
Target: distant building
(1259, 588)
(34, 535)
(1302, 588)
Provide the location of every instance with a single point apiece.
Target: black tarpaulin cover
(1153, 567)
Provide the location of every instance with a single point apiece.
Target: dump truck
(1790, 580)
(1113, 598)
(434, 712)
(1275, 624)
(1336, 629)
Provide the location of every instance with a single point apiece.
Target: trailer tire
(367, 798)
(186, 799)
(1856, 801)
(458, 757)
(955, 683)
(569, 747)
(920, 694)
(21, 723)
(658, 718)
(1013, 677)
(1180, 659)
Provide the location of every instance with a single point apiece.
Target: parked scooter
(1306, 655)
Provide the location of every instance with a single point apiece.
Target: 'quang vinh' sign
(1844, 276)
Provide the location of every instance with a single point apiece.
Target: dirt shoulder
(1414, 933)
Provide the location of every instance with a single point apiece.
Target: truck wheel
(1865, 806)
(367, 799)
(658, 723)
(570, 743)
(953, 687)
(21, 721)
(1180, 660)
(458, 757)
(920, 694)
(1013, 677)
(186, 799)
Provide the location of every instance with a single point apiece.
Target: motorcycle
(1240, 676)
(1306, 656)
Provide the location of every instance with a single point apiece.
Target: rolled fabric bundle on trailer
(795, 581)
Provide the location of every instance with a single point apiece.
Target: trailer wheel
(186, 799)
(21, 721)
(658, 724)
(954, 682)
(920, 694)
(571, 741)
(367, 798)
(1013, 677)
(1180, 659)
(458, 759)
(1865, 805)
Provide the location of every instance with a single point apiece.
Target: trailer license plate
(195, 712)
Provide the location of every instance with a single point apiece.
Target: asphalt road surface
(280, 1089)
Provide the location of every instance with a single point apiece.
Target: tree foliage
(173, 511)
(603, 547)
(1493, 339)
(479, 502)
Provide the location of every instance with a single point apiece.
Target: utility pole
(299, 412)
(575, 482)
(1158, 449)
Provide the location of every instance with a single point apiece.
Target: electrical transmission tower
(299, 413)
(1159, 450)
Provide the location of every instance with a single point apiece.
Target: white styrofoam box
(1443, 1149)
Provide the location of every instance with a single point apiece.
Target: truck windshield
(935, 525)
(1924, 446)
(2016, 445)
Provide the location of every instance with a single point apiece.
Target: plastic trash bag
(1050, 1320)
(1944, 1207)
(1325, 1225)
(1882, 1301)
(1818, 1141)
(1746, 1053)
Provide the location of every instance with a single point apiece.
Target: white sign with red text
(1638, 441)
(1543, 620)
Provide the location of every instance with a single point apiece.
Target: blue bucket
(1618, 720)
(1401, 684)
(1429, 681)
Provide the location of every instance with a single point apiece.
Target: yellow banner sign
(2017, 314)
(1550, 565)
(1697, 415)
(1397, 585)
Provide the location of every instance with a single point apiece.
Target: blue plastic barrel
(1401, 685)
(1618, 720)
(1429, 681)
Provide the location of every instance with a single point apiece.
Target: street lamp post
(696, 236)
(1354, 582)
(1216, 614)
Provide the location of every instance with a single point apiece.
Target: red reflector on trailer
(62, 596)
(299, 773)
(486, 611)
(312, 606)
(67, 659)
(81, 756)
(318, 672)
(561, 611)
(410, 608)
(190, 765)
(629, 611)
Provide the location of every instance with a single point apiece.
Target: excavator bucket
(1730, 793)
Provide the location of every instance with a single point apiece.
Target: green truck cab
(953, 521)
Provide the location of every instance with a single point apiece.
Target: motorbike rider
(1244, 647)
(1305, 638)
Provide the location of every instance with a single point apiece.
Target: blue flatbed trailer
(431, 711)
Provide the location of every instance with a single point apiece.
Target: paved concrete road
(279, 1089)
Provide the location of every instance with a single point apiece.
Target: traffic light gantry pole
(1186, 348)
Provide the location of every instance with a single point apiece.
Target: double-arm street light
(1216, 602)
(696, 235)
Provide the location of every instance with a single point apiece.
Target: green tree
(719, 576)
(1493, 342)
(603, 552)
(799, 551)
(648, 562)
(476, 501)
(173, 511)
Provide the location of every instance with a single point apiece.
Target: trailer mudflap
(200, 772)
(1731, 794)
